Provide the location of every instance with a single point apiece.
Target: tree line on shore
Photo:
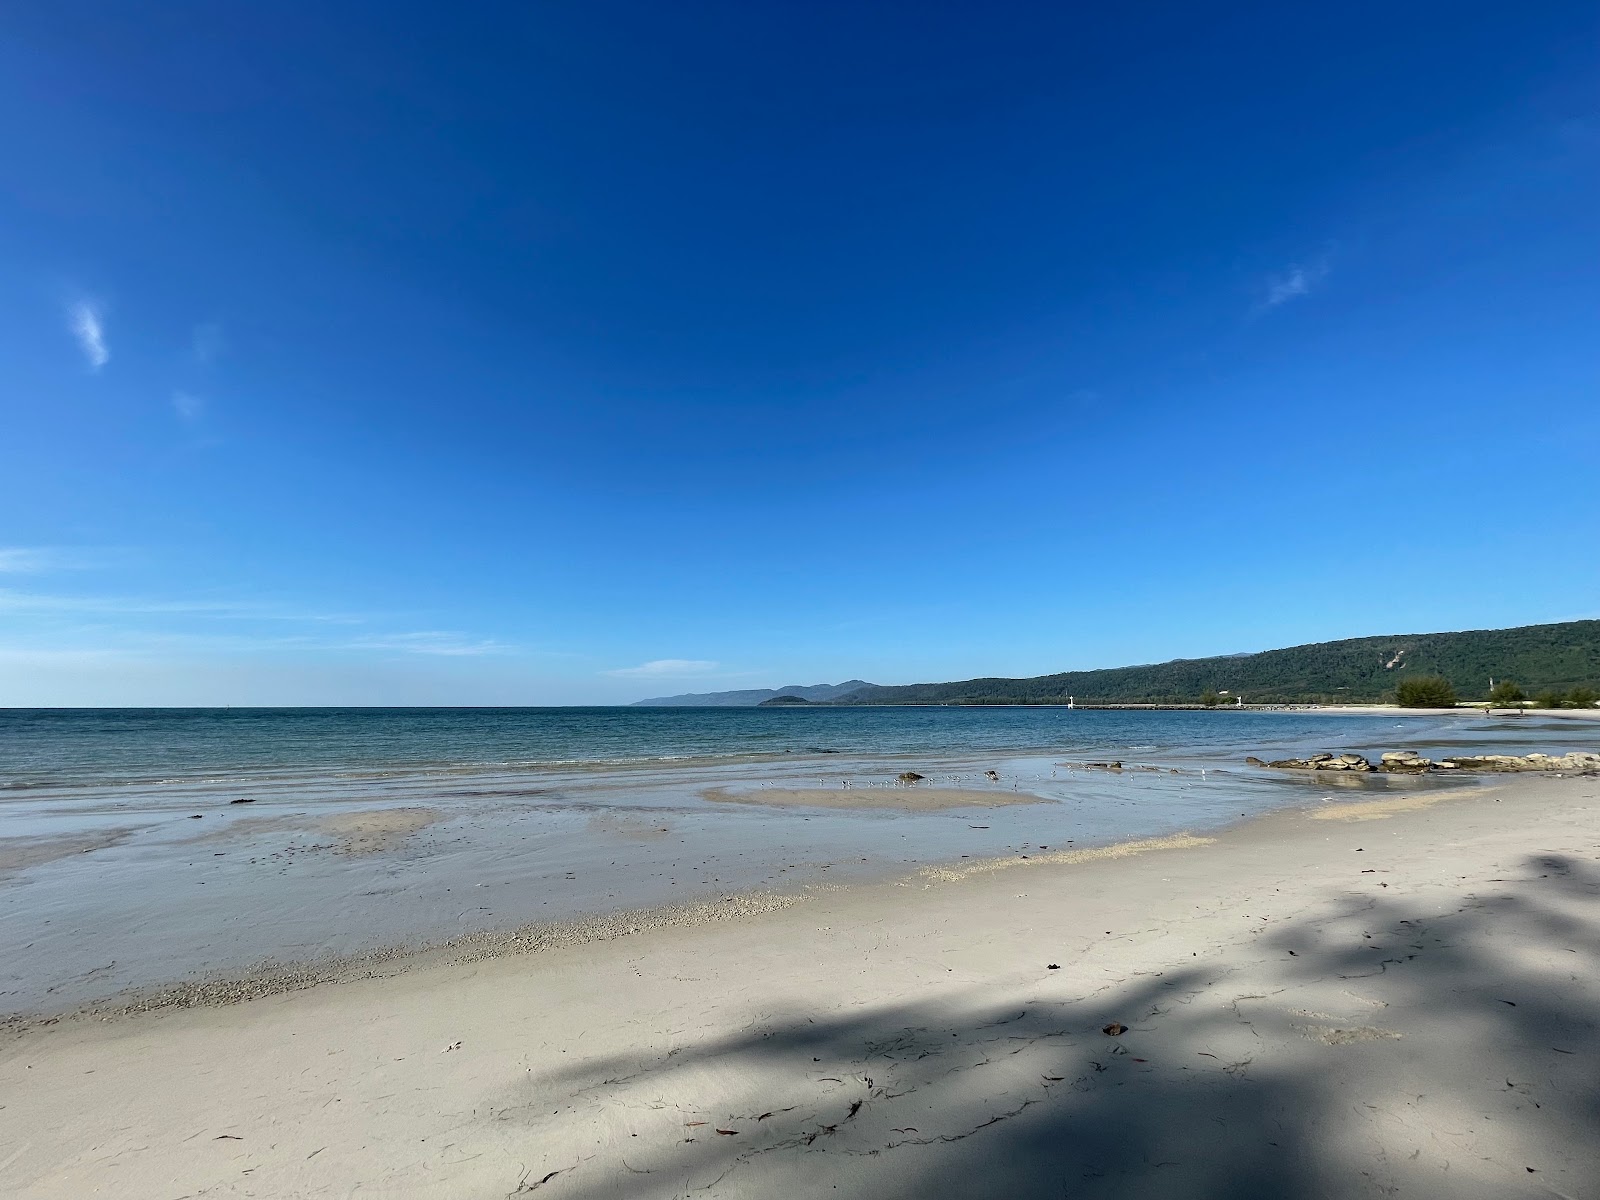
(1435, 691)
(1558, 665)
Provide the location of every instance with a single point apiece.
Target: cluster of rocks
(1318, 762)
(1409, 762)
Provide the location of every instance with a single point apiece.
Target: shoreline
(276, 979)
(1287, 706)
(295, 887)
(274, 976)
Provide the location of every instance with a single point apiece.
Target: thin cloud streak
(430, 641)
(93, 639)
(36, 560)
(666, 668)
(53, 605)
(88, 326)
(1297, 281)
(188, 406)
(26, 560)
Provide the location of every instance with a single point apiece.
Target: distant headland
(1550, 666)
(752, 697)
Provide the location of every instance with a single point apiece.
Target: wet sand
(901, 799)
(987, 866)
(1291, 1007)
(204, 892)
(20, 853)
(1379, 810)
(376, 831)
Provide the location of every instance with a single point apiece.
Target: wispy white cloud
(87, 324)
(106, 637)
(48, 658)
(1295, 282)
(666, 668)
(36, 560)
(188, 406)
(25, 560)
(429, 641)
(188, 627)
(44, 604)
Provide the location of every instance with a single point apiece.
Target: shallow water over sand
(124, 867)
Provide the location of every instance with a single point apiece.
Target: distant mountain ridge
(1355, 670)
(1351, 671)
(750, 697)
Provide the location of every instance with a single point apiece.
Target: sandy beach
(1395, 996)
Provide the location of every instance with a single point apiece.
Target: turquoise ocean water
(107, 748)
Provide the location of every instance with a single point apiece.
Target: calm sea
(57, 748)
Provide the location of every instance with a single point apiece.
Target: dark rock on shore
(1405, 762)
(1318, 762)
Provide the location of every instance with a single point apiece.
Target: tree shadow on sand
(1378, 1046)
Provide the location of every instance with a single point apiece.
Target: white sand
(1405, 1004)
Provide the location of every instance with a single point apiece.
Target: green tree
(1209, 698)
(1426, 691)
(1549, 698)
(1582, 697)
(1505, 692)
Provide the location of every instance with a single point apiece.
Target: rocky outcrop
(1317, 762)
(1404, 762)
(1409, 762)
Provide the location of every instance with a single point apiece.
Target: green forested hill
(1357, 669)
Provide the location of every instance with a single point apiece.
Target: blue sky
(566, 353)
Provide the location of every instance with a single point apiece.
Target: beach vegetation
(1506, 693)
(1582, 696)
(1209, 698)
(1425, 691)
